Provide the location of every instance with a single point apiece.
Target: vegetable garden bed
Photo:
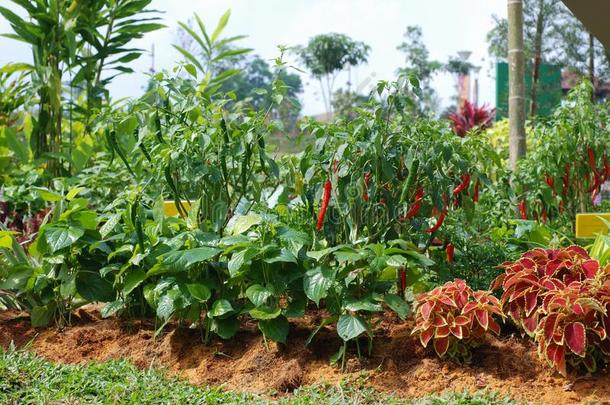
(398, 364)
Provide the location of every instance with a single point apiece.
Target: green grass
(27, 379)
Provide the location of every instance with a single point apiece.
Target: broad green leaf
(244, 222)
(74, 192)
(316, 283)
(350, 327)
(397, 305)
(93, 288)
(132, 280)
(221, 308)
(364, 304)
(57, 237)
(110, 224)
(239, 259)
(47, 195)
(225, 328)
(112, 308)
(42, 316)
(265, 313)
(181, 260)
(166, 307)
(200, 292)
(275, 329)
(258, 294)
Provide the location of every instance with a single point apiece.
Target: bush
(560, 297)
(455, 318)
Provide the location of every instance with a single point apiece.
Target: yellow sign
(170, 209)
(589, 225)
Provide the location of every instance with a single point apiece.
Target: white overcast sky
(448, 26)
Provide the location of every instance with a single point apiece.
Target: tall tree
(326, 55)
(516, 98)
(419, 64)
(551, 35)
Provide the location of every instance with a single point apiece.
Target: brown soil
(398, 364)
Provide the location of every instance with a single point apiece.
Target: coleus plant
(525, 280)
(455, 318)
(560, 298)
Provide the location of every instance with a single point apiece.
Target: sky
(448, 26)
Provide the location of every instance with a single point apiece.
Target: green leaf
(93, 287)
(225, 328)
(245, 222)
(42, 316)
(200, 292)
(10, 137)
(74, 192)
(275, 329)
(181, 260)
(47, 195)
(57, 237)
(239, 259)
(110, 224)
(191, 69)
(112, 308)
(258, 294)
(132, 280)
(350, 327)
(316, 283)
(397, 305)
(221, 308)
(222, 23)
(265, 313)
(364, 304)
(166, 307)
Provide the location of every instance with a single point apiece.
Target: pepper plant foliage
(560, 297)
(568, 159)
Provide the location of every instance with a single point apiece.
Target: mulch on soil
(398, 363)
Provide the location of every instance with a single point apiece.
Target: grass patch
(27, 379)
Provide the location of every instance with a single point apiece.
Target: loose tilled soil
(398, 364)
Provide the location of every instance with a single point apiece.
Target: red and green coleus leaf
(441, 345)
(556, 355)
(576, 338)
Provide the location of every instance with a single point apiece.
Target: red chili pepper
(597, 182)
(561, 206)
(592, 159)
(463, 185)
(594, 196)
(366, 179)
(419, 194)
(439, 223)
(450, 251)
(522, 209)
(328, 186)
(544, 217)
(475, 197)
(403, 280)
(550, 181)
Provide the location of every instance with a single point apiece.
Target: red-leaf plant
(470, 116)
(537, 271)
(560, 297)
(455, 318)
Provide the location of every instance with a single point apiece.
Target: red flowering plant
(560, 297)
(470, 116)
(455, 318)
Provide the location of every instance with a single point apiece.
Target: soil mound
(397, 364)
